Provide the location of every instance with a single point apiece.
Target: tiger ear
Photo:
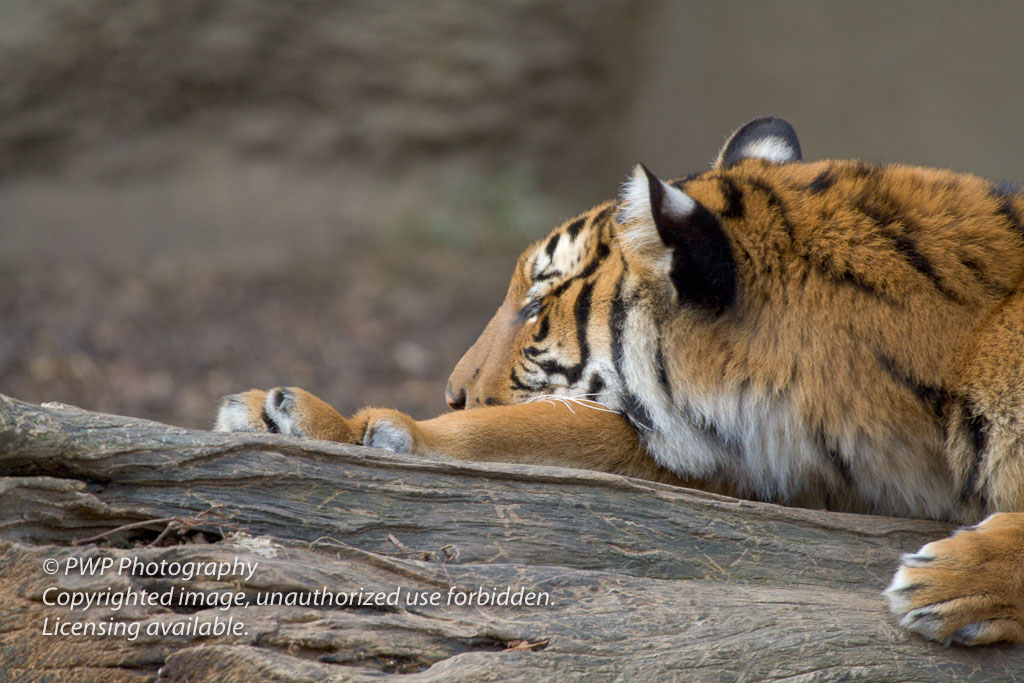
(663, 224)
(765, 138)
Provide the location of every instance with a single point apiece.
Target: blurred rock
(412, 358)
(354, 82)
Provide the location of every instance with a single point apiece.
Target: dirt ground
(165, 339)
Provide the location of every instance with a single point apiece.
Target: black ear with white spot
(765, 138)
(665, 225)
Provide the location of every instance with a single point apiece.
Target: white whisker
(581, 400)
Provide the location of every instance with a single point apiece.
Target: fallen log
(206, 556)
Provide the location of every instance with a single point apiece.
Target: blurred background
(201, 196)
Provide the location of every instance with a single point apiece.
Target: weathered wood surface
(647, 582)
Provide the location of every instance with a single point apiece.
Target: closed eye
(531, 310)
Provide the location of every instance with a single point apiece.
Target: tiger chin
(840, 335)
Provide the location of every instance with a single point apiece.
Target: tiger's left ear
(767, 138)
(670, 229)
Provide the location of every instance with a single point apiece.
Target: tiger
(841, 335)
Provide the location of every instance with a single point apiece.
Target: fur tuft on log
(334, 562)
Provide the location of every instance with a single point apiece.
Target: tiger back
(800, 332)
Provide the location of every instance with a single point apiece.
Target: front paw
(968, 588)
(390, 430)
(285, 414)
(290, 410)
(243, 413)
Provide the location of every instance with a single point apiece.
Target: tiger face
(550, 335)
(793, 331)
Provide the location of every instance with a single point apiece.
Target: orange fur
(838, 334)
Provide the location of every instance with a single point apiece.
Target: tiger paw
(283, 410)
(390, 430)
(242, 413)
(968, 588)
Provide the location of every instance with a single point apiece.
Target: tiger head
(601, 286)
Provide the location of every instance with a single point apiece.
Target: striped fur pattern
(843, 370)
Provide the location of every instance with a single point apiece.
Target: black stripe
(984, 280)
(885, 216)
(542, 329)
(574, 228)
(547, 276)
(851, 278)
(773, 199)
(552, 244)
(572, 373)
(517, 383)
(822, 182)
(588, 270)
(632, 409)
(863, 169)
(774, 202)
(825, 264)
(1006, 193)
(268, 423)
(602, 254)
(679, 182)
(581, 311)
(549, 249)
(605, 212)
(733, 199)
(596, 385)
(635, 412)
(560, 289)
(934, 397)
(909, 250)
(659, 361)
(920, 263)
(617, 325)
(977, 427)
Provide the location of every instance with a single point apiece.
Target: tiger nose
(455, 402)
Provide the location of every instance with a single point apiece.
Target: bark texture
(645, 581)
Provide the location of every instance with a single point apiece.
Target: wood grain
(645, 581)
